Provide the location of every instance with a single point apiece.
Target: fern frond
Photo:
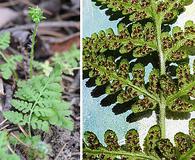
(103, 66)
(181, 42)
(180, 100)
(8, 68)
(10, 65)
(42, 67)
(38, 103)
(118, 80)
(117, 62)
(4, 152)
(93, 149)
(155, 147)
(141, 40)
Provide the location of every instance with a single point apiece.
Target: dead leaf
(66, 45)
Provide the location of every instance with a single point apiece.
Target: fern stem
(33, 49)
(162, 103)
(34, 105)
(121, 153)
(162, 117)
(4, 127)
(161, 55)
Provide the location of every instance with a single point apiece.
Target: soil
(56, 34)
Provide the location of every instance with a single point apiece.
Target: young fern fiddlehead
(36, 14)
(107, 58)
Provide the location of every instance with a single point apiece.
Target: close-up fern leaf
(155, 148)
(116, 65)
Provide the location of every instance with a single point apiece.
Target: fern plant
(118, 62)
(38, 103)
(9, 65)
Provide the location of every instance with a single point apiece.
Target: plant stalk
(122, 153)
(33, 49)
(162, 103)
(161, 55)
(162, 117)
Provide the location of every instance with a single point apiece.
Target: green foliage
(36, 14)
(34, 147)
(4, 40)
(151, 139)
(155, 147)
(38, 103)
(8, 67)
(4, 152)
(141, 40)
(45, 67)
(117, 62)
(67, 60)
(138, 10)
